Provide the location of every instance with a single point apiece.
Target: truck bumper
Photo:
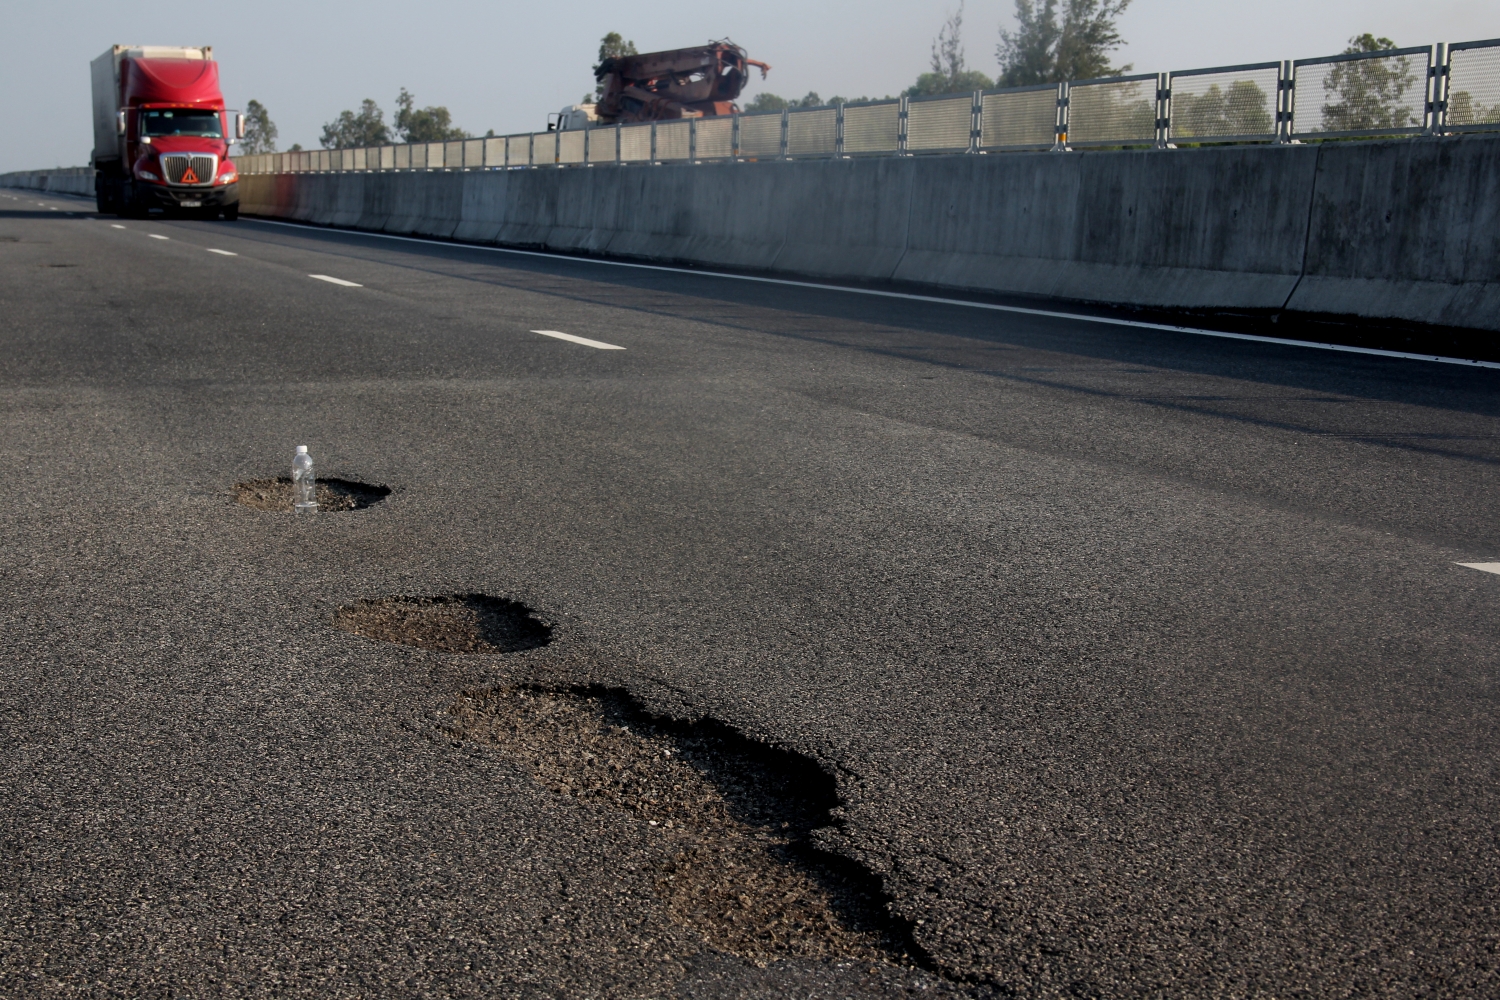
(149, 196)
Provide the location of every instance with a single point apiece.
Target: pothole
(735, 819)
(458, 623)
(333, 494)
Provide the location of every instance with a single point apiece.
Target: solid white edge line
(1493, 567)
(1021, 310)
(586, 342)
(226, 253)
(336, 281)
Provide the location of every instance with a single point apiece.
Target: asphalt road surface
(1143, 663)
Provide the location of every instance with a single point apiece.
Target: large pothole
(333, 495)
(457, 623)
(743, 876)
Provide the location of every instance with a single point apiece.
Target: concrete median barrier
(67, 180)
(1400, 230)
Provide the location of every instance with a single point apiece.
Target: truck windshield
(182, 121)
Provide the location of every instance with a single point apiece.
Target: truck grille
(204, 167)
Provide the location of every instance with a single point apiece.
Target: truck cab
(162, 134)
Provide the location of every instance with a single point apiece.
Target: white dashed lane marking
(586, 342)
(1483, 567)
(226, 253)
(114, 226)
(336, 281)
(156, 237)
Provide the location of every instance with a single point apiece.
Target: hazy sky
(506, 65)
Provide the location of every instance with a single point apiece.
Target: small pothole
(457, 623)
(732, 820)
(334, 495)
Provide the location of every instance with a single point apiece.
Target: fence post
(976, 121)
(734, 139)
(1437, 89)
(902, 111)
(618, 140)
(1164, 111)
(838, 133)
(1060, 136)
(692, 140)
(1286, 100)
(653, 144)
(786, 115)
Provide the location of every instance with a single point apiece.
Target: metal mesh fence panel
(518, 150)
(419, 156)
(473, 154)
(570, 146)
(635, 143)
(494, 152)
(872, 128)
(1377, 94)
(452, 156)
(401, 157)
(715, 138)
(602, 144)
(812, 133)
(939, 124)
(672, 140)
(1474, 86)
(1112, 112)
(1237, 102)
(760, 136)
(1019, 118)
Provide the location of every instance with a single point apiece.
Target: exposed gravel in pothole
(457, 623)
(736, 817)
(334, 495)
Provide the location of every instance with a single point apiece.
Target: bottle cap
(302, 449)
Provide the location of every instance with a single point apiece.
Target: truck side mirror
(239, 125)
(120, 122)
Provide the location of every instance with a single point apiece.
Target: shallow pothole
(457, 623)
(735, 818)
(334, 495)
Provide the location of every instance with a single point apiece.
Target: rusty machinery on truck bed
(682, 83)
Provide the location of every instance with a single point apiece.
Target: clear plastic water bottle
(304, 486)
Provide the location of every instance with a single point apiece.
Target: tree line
(1053, 41)
(1072, 40)
(365, 127)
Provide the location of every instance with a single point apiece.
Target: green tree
(611, 46)
(949, 74)
(1464, 110)
(1244, 109)
(429, 124)
(260, 131)
(765, 101)
(350, 130)
(772, 102)
(1044, 49)
(1367, 94)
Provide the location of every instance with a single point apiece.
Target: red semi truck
(162, 133)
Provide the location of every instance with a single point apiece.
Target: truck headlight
(145, 174)
(227, 178)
